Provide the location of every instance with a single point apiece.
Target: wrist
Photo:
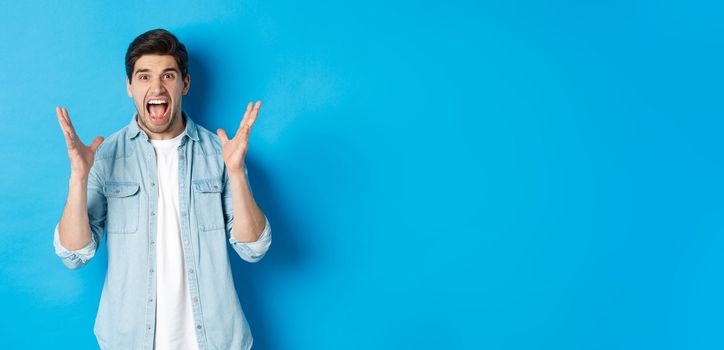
(236, 172)
(78, 178)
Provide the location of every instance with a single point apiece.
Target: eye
(168, 76)
(143, 77)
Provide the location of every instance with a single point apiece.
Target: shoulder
(209, 142)
(115, 145)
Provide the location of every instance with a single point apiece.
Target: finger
(64, 128)
(254, 114)
(75, 140)
(222, 135)
(69, 122)
(64, 114)
(245, 129)
(96, 142)
(61, 119)
(69, 140)
(242, 123)
(66, 122)
(249, 107)
(249, 119)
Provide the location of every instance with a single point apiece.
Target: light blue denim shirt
(122, 202)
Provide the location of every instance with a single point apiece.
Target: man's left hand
(234, 151)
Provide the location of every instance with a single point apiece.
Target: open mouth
(157, 108)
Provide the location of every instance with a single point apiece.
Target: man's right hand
(81, 156)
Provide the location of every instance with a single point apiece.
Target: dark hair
(157, 42)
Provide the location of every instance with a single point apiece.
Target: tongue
(157, 111)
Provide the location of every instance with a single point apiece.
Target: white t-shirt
(174, 317)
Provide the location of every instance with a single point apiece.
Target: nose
(157, 87)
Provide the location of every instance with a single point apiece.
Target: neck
(178, 126)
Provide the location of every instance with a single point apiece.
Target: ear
(128, 88)
(187, 84)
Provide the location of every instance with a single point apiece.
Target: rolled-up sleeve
(254, 251)
(74, 259)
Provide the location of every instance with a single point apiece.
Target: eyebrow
(146, 70)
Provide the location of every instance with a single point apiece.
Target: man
(169, 194)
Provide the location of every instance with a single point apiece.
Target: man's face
(156, 88)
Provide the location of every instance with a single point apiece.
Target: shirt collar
(190, 130)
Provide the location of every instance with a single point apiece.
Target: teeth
(156, 102)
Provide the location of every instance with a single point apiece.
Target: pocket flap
(211, 185)
(121, 189)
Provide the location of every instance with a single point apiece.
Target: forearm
(249, 220)
(74, 228)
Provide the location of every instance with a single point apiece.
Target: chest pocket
(123, 207)
(207, 204)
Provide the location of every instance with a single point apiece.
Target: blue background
(438, 175)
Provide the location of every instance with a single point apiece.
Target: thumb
(96, 142)
(222, 135)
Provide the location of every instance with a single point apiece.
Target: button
(148, 327)
(153, 213)
(196, 300)
(191, 270)
(216, 187)
(150, 300)
(151, 270)
(198, 326)
(153, 184)
(118, 191)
